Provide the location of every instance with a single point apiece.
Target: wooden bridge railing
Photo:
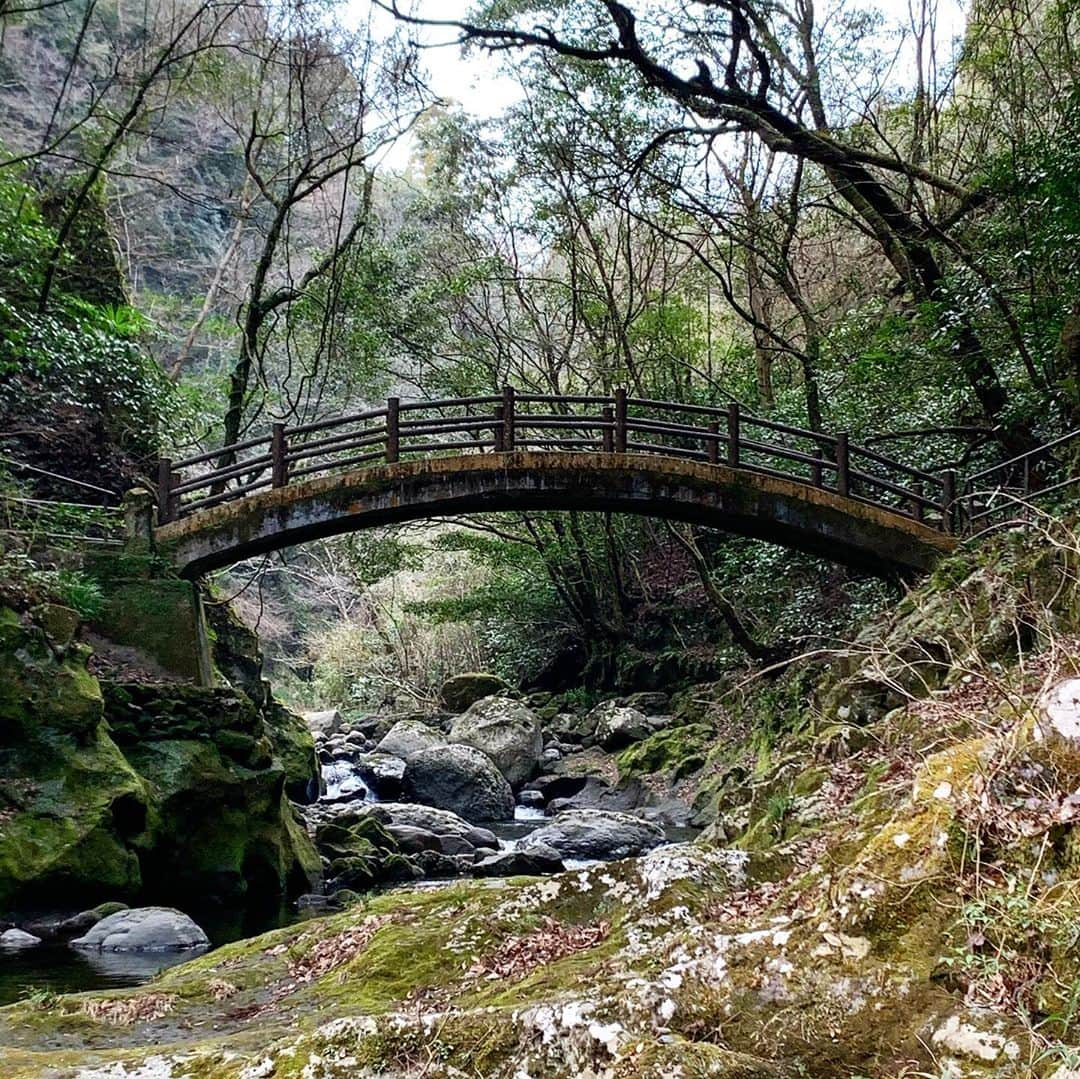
(528, 421)
(1011, 492)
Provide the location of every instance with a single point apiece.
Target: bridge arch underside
(741, 501)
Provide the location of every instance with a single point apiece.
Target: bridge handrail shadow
(513, 420)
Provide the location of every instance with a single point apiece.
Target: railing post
(499, 431)
(620, 420)
(948, 500)
(164, 491)
(279, 465)
(607, 435)
(508, 418)
(393, 433)
(843, 467)
(733, 436)
(712, 443)
(916, 504)
(815, 468)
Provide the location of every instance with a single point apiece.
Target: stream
(57, 968)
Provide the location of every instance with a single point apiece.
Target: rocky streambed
(495, 789)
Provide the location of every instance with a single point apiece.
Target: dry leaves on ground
(518, 957)
(332, 952)
(219, 989)
(122, 1011)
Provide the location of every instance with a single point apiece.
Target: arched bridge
(718, 467)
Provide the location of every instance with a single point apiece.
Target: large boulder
(461, 779)
(323, 724)
(409, 736)
(461, 691)
(595, 834)
(382, 773)
(441, 822)
(135, 791)
(144, 929)
(71, 802)
(220, 830)
(506, 731)
(616, 726)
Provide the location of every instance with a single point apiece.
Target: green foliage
(67, 361)
(78, 591)
(113, 320)
(373, 556)
(25, 238)
(1006, 935)
(513, 606)
(81, 353)
(23, 582)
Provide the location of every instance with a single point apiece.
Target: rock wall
(140, 791)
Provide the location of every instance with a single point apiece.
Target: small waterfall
(343, 783)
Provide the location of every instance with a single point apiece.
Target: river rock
(14, 939)
(66, 926)
(361, 853)
(413, 840)
(438, 866)
(506, 731)
(572, 728)
(461, 779)
(648, 702)
(409, 736)
(382, 772)
(617, 726)
(441, 822)
(595, 833)
(539, 859)
(462, 690)
(1057, 726)
(144, 929)
(323, 724)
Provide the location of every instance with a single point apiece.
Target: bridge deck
(785, 510)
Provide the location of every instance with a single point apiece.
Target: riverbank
(889, 886)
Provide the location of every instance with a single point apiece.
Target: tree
(765, 71)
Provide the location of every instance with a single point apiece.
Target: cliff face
(137, 791)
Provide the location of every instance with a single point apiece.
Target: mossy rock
(59, 623)
(40, 691)
(72, 809)
(216, 827)
(294, 746)
(460, 691)
(236, 652)
(681, 750)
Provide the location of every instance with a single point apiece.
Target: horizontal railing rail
(1011, 493)
(616, 423)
